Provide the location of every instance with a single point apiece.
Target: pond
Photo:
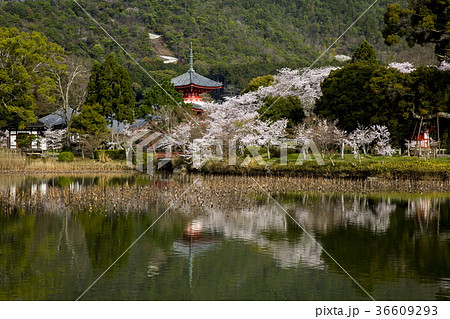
(217, 238)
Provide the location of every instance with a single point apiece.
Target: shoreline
(393, 174)
(392, 169)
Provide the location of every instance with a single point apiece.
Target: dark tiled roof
(139, 123)
(192, 77)
(56, 118)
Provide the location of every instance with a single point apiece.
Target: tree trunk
(69, 127)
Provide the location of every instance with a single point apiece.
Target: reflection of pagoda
(193, 84)
(194, 242)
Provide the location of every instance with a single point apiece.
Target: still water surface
(396, 246)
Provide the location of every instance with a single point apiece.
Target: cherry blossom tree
(445, 66)
(325, 135)
(304, 84)
(53, 139)
(405, 67)
(381, 135)
(264, 134)
(228, 126)
(360, 138)
(363, 137)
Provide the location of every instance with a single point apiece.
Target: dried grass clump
(12, 160)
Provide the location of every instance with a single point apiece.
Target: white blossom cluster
(405, 67)
(362, 137)
(304, 84)
(327, 137)
(54, 138)
(342, 58)
(445, 66)
(236, 120)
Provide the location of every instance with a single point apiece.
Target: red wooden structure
(193, 84)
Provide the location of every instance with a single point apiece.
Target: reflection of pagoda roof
(192, 78)
(197, 246)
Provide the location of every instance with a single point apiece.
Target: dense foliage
(422, 22)
(364, 93)
(233, 40)
(90, 120)
(159, 96)
(26, 61)
(365, 52)
(277, 108)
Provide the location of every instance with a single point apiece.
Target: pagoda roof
(192, 78)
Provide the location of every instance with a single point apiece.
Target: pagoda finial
(191, 58)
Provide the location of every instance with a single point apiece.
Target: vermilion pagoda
(193, 84)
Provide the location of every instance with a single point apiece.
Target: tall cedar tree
(110, 86)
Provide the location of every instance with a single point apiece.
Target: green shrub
(111, 154)
(65, 157)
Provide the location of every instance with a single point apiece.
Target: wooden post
(438, 135)
(418, 136)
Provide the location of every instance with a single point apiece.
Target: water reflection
(324, 212)
(196, 241)
(220, 243)
(76, 183)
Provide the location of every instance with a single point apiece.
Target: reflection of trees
(425, 211)
(274, 232)
(40, 183)
(377, 239)
(107, 237)
(403, 247)
(323, 212)
(270, 230)
(31, 265)
(373, 237)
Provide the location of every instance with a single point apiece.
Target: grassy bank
(388, 168)
(15, 162)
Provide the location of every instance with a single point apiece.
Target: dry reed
(223, 193)
(13, 161)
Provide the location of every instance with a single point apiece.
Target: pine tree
(421, 23)
(90, 120)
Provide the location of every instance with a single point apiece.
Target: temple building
(193, 84)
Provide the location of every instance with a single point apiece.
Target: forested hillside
(262, 35)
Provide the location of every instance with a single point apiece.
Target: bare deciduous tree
(71, 79)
